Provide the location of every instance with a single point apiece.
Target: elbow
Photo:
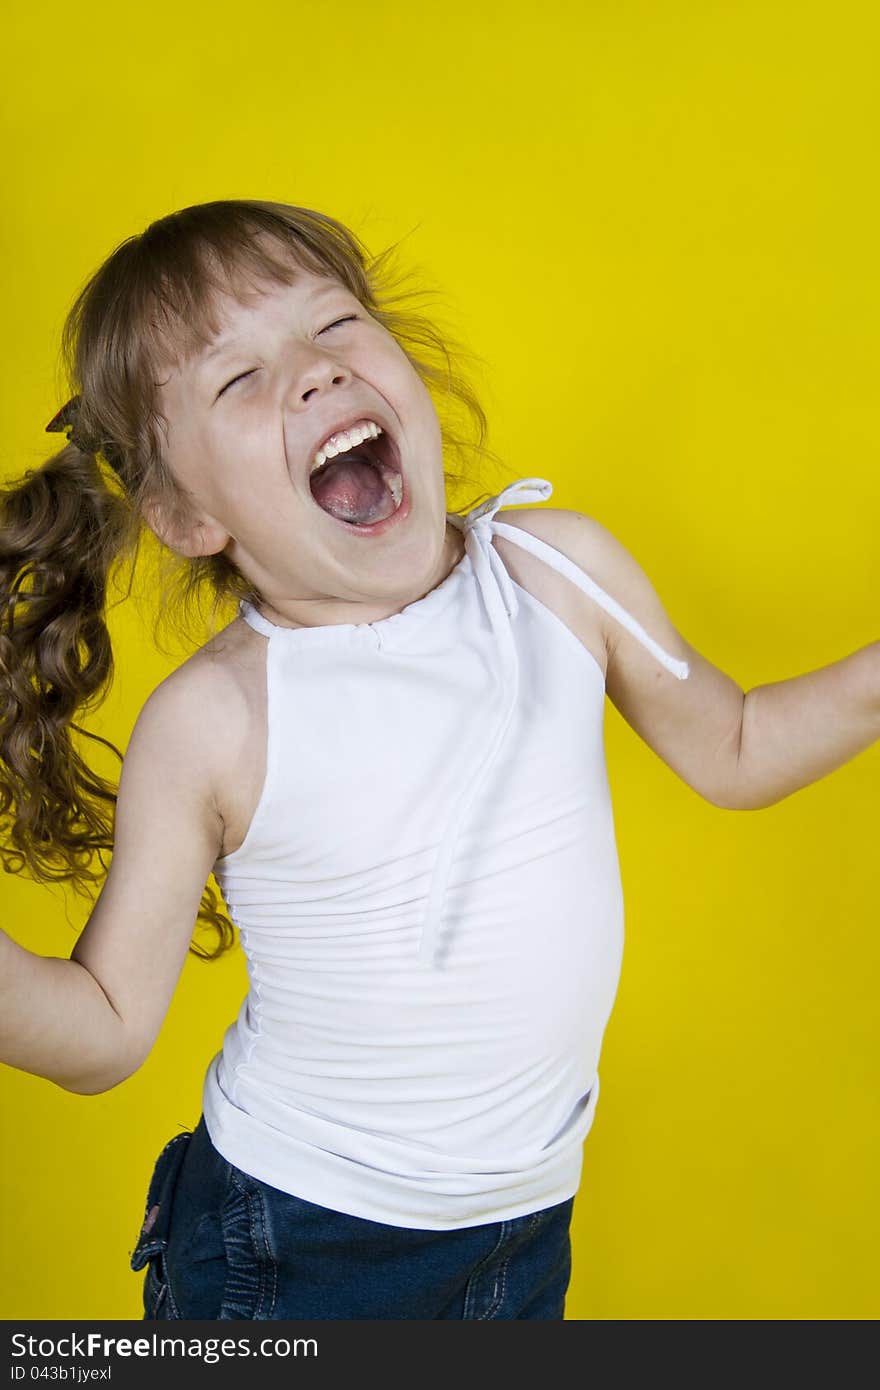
(725, 803)
(723, 782)
(737, 790)
(743, 789)
(98, 1083)
(91, 1086)
(732, 793)
(88, 1086)
(739, 799)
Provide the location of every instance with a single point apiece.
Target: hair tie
(66, 419)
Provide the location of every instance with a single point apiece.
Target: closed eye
(240, 377)
(349, 318)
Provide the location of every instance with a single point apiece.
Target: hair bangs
(182, 309)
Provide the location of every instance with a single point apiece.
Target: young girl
(391, 760)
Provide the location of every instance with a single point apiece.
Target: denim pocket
(152, 1245)
(251, 1267)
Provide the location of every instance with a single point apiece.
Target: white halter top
(429, 902)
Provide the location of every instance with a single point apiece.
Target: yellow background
(658, 226)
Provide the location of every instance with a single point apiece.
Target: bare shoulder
(208, 717)
(565, 530)
(208, 694)
(598, 551)
(581, 539)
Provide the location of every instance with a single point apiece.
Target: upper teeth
(345, 439)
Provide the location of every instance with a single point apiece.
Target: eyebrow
(227, 339)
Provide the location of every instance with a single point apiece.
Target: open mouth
(362, 487)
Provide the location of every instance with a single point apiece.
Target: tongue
(351, 489)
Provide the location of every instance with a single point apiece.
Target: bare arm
(798, 730)
(88, 1022)
(738, 751)
(56, 1020)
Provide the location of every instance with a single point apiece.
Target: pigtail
(61, 528)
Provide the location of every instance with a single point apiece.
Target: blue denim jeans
(218, 1243)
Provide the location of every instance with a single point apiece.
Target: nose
(314, 370)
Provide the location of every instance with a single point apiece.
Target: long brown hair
(66, 524)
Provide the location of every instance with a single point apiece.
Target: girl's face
(245, 417)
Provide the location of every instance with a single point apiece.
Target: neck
(365, 612)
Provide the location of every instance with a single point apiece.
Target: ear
(185, 535)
